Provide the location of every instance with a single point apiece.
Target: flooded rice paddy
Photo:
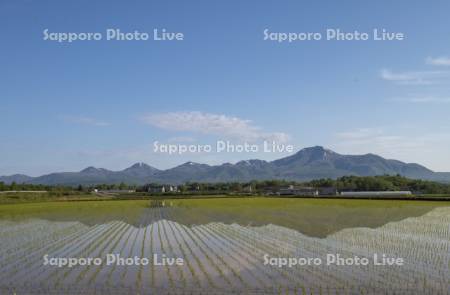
(225, 245)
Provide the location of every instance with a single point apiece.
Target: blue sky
(65, 106)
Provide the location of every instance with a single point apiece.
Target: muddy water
(222, 247)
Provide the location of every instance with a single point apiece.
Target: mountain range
(307, 164)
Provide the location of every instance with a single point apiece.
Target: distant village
(248, 189)
(346, 186)
(290, 190)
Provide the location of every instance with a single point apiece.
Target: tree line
(346, 183)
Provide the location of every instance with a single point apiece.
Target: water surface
(223, 243)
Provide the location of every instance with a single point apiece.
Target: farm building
(299, 191)
(163, 189)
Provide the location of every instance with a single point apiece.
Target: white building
(376, 194)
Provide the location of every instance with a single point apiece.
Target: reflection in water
(312, 217)
(221, 257)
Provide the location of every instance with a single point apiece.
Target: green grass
(19, 197)
(91, 212)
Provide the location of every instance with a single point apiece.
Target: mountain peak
(139, 165)
(250, 162)
(317, 149)
(315, 153)
(91, 169)
(190, 163)
(141, 170)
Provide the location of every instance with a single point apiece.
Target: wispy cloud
(415, 77)
(213, 124)
(84, 120)
(407, 145)
(181, 139)
(424, 99)
(438, 61)
(376, 138)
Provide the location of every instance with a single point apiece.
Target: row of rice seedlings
(153, 215)
(202, 273)
(385, 240)
(50, 232)
(160, 274)
(42, 289)
(252, 250)
(313, 275)
(425, 255)
(294, 244)
(38, 232)
(281, 248)
(109, 248)
(69, 275)
(225, 266)
(171, 253)
(386, 275)
(186, 256)
(100, 275)
(131, 250)
(179, 281)
(303, 246)
(152, 267)
(435, 227)
(393, 240)
(34, 268)
(66, 250)
(221, 258)
(370, 243)
(246, 252)
(25, 261)
(89, 246)
(404, 273)
(244, 262)
(9, 229)
(427, 246)
(123, 243)
(139, 276)
(146, 271)
(221, 280)
(317, 248)
(248, 266)
(163, 251)
(256, 247)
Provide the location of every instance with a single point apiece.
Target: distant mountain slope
(309, 163)
(139, 173)
(18, 178)
(317, 162)
(442, 176)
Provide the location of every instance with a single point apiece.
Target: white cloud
(415, 77)
(213, 124)
(438, 61)
(84, 120)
